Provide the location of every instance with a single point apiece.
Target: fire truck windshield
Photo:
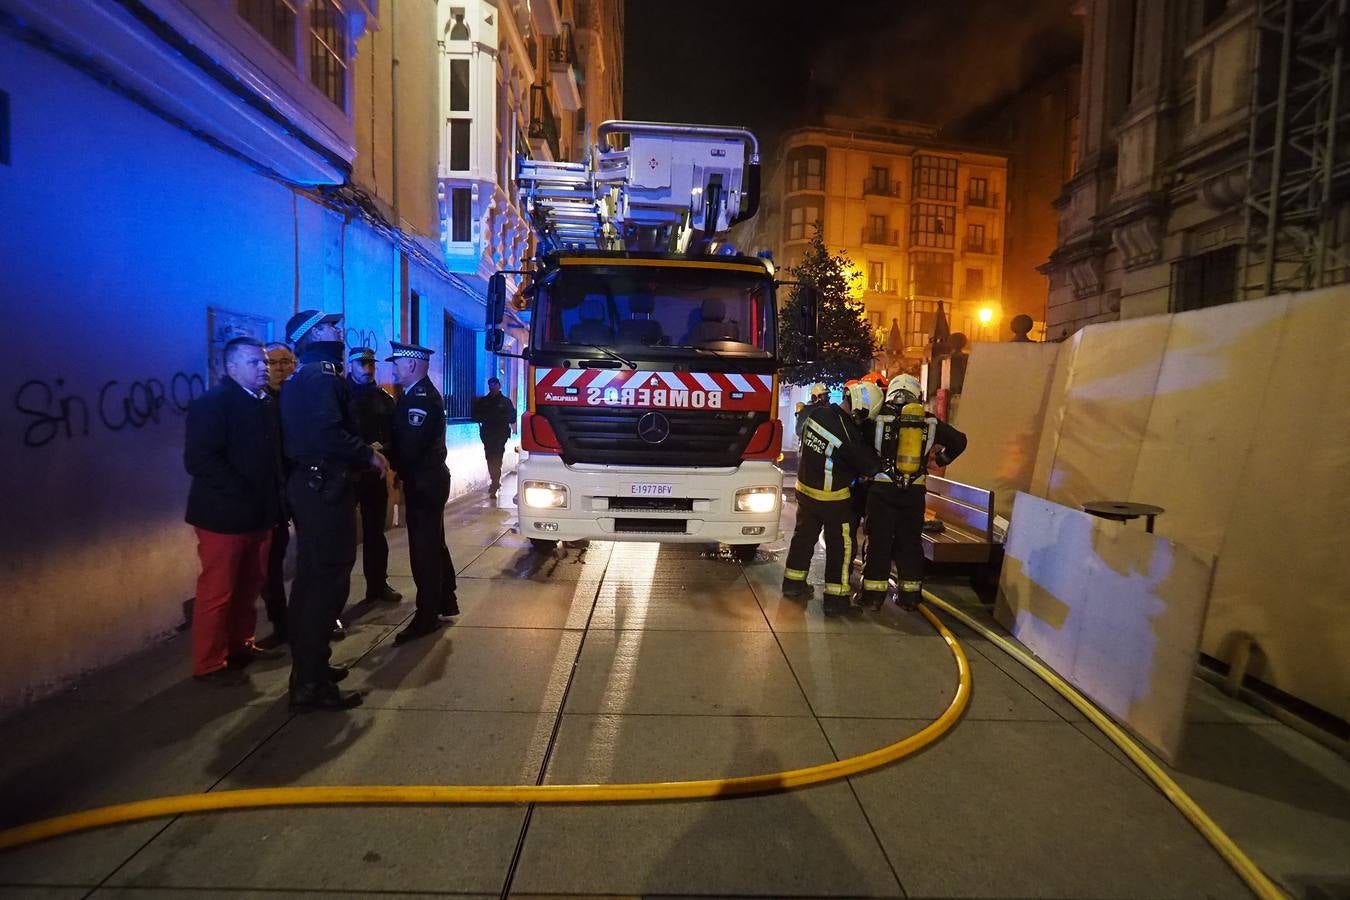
(655, 310)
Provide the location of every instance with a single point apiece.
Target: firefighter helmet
(865, 397)
(878, 379)
(819, 390)
(904, 384)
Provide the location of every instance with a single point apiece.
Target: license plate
(651, 490)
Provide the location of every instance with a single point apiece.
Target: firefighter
(865, 399)
(905, 434)
(819, 396)
(832, 456)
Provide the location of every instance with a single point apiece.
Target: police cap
(409, 351)
(300, 324)
(360, 355)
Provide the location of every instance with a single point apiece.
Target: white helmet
(904, 384)
(865, 397)
(819, 390)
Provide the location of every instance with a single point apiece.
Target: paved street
(641, 662)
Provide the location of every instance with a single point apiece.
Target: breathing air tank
(909, 452)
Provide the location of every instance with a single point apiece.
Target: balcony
(562, 63)
(543, 125)
(881, 236)
(890, 286)
(988, 247)
(983, 201)
(876, 188)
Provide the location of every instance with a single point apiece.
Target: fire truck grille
(611, 436)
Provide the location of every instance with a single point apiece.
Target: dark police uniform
(374, 410)
(418, 455)
(832, 457)
(495, 414)
(327, 455)
(895, 505)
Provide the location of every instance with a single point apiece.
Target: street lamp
(986, 315)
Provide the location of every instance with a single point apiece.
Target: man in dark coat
(280, 367)
(373, 409)
(327, 456)
(496, 417)
(418, 455)
(233, 453)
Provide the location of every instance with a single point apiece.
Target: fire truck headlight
(545, 495)
(757, 500)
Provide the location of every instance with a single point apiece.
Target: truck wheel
(744, 553)
(543, 545)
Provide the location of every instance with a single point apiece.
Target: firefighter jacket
(949, 444)
(833, 454)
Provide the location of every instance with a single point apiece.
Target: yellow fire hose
(389, 795)
(1247, 870)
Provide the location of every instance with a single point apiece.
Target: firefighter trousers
(835, 518)
(894, 536)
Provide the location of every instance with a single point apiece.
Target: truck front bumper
(624, 503)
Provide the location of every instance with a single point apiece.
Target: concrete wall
(117, 232)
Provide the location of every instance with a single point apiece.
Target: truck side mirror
(494, 339)
(807, 300)
(496, 301)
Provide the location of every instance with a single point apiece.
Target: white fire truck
(653, 389)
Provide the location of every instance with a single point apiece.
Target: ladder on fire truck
(672, 189)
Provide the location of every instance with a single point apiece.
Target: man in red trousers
(233, 453)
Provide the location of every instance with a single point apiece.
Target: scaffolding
(1298, 164)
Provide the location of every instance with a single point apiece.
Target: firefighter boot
(797, 590)
(909, 599)
(871, 599)
(837, 605)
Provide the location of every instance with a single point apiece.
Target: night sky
(774, 64)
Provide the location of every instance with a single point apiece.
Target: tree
(844, 344)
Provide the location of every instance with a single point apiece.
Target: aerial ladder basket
(672, 189)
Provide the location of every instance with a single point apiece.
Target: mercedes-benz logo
(653, 428)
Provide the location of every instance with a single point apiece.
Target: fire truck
(652, 409)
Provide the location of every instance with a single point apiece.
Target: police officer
(895, 502)
(418, 455)
(374, 410)
(327, 456)
(832, 456)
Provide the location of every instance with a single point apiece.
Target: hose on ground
(432, 795)
(1232, 854)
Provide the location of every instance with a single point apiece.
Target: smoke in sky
(935, 62)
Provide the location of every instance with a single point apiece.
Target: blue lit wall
(117, 232)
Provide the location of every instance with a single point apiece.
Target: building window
(935, 178)
(878, 181)
(874, 318)
(979, 192)
(460, 364)
(459, 144)
(461, 214)
(414, 317)
(974, 238)
(806, 169)
(459, 85)
(328, 51)
(274, 20)
(876, 276)
(974, 284)
(932, 225)
(1205, 280)
(458, 31)
(930, 274)
(800, 221)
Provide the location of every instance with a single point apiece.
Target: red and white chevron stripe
(652, 390)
